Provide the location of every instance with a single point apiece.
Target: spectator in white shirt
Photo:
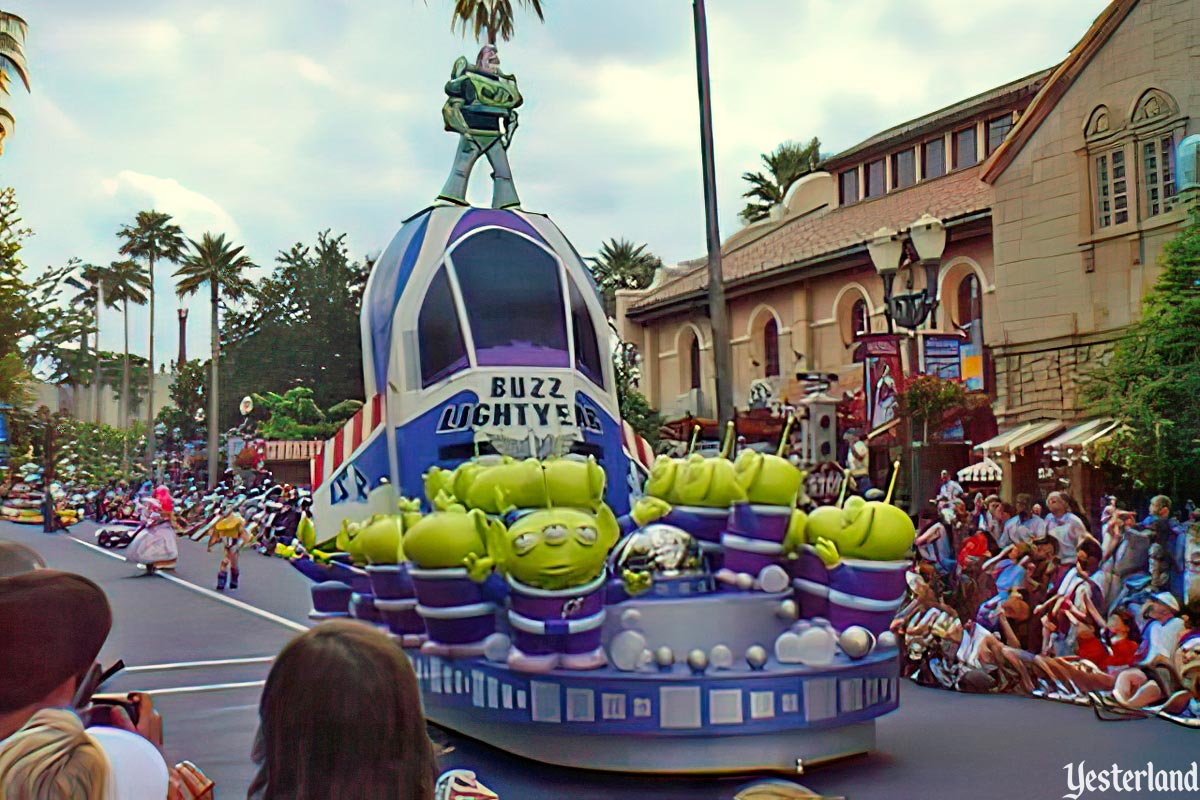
(1065, 526)
(1140, 685)
(950, 489)
(1025, 526)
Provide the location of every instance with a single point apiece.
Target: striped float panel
(636, 447)
(336, 451)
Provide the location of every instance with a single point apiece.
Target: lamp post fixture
(893, 251)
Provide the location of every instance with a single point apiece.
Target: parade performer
(482, 109)
(230, 532)
(155, 544)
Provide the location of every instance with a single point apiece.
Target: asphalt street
(204, 658)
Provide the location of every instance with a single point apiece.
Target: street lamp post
(893, 251)
(718, 313)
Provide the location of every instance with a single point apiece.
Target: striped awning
(1075, 442)
(1013, 441)
(986, 471)
(292, 451)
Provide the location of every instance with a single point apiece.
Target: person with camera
(59, 740)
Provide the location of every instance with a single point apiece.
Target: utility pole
(718, 312)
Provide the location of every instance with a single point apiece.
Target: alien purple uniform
(396, 599)
(754, 538)
(854, 592)
(705, 524)
(453, 607)
(564, 621)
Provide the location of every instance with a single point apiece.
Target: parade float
(483, 507)
(25, 501)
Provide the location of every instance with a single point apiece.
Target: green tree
(1151, 383)
(294, 415)
(634, 407)
(217, 264)
(152, 237)
(189, 392)
(622, 264)
(34, 322)
(125, 282)
(936, 403)
(89, 298)
(299, 328)
(14, 381)
(494, 17)
(788, 163)
(12, 59)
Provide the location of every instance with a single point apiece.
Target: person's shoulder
(138, 768)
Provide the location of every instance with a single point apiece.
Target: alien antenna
(787, 429)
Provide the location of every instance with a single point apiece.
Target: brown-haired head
(340, 717)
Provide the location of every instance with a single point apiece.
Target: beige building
(1085, 200)
(1058, 192)
(80, 401)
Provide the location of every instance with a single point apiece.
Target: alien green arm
(648, 509)
(794, 539)
(827, 551)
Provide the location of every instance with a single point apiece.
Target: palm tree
(90, 284)
(125, 283)
(219, 264)
(12, 59)
(786, 165)
(622, 264)
(152, 237)
(493, 16)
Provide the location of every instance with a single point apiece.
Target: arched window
(771, 348)
(860, 319)
(969, 306)
(694, 363)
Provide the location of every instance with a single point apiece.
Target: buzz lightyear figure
(482, 109)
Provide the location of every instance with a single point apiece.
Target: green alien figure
(871, 531)
(851, 571)
(759, 529)
(521, 484)
(458, 617)
(481, 107)
(574, 482)
(555, 567)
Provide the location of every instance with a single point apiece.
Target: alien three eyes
(554, 534)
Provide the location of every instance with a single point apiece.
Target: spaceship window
(510, 288)
(587, 349)
(443, 351)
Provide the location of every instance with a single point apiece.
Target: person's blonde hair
(52, 758)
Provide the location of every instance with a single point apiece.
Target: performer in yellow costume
(230, 533)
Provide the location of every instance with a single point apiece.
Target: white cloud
(277, 119)
(194, 212)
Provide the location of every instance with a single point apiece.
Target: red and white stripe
(636, 447)
(338, 450)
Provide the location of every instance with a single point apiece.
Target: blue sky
(273, 119)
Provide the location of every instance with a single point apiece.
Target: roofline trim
(1058, 84)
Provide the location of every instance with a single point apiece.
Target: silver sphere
(721, 657)
(659, 549)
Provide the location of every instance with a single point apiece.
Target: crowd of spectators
(1008, 599)
(60, 741)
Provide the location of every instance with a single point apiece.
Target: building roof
(801, 241)
(1020, 89)
(1056, 86)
